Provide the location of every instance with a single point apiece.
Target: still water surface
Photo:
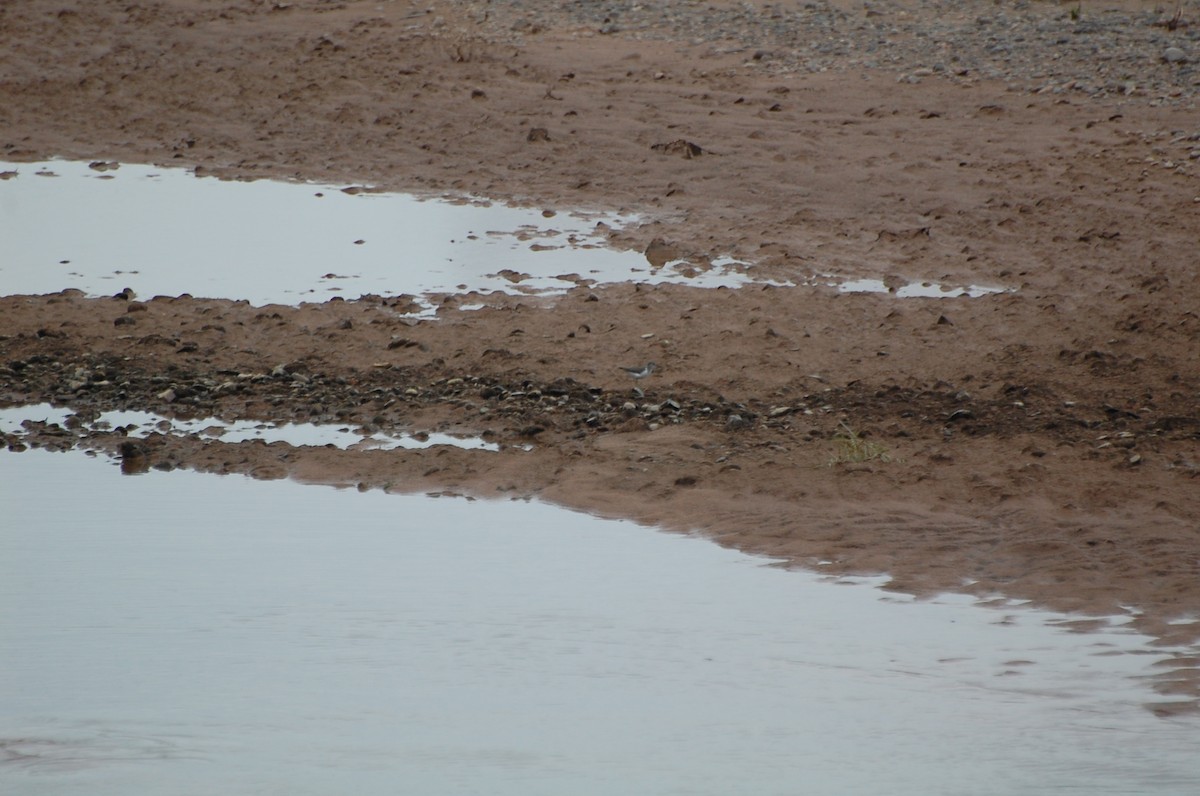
(165, 232)
(138, 425)
(191, 634)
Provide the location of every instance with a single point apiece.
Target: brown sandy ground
(1040, 443)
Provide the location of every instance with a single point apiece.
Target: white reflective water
(167, 232)
(912, 289)
(139, 424)
(187, 634)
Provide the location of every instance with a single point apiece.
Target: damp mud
(1039, 442)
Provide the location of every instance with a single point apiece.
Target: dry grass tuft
(852, 448)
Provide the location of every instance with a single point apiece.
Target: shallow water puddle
(190, 634)
(167, 232)
(911, 289)
(139, 424)
(104, 227)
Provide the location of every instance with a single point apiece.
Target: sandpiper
(639, 372)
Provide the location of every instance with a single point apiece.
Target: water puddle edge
(104, 227)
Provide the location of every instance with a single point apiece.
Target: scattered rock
(134, 460)
(686, 149)
(512, 276)
(736, 422)
(632, 424)
(1174, 55)
(660, 252)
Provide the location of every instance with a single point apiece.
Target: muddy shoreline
(1042, 443)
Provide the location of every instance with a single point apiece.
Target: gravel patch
(1033, 46)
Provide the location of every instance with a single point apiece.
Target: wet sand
(1040, 443)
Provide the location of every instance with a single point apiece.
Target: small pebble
(1174, 55)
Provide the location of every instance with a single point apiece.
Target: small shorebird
(639, 372)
